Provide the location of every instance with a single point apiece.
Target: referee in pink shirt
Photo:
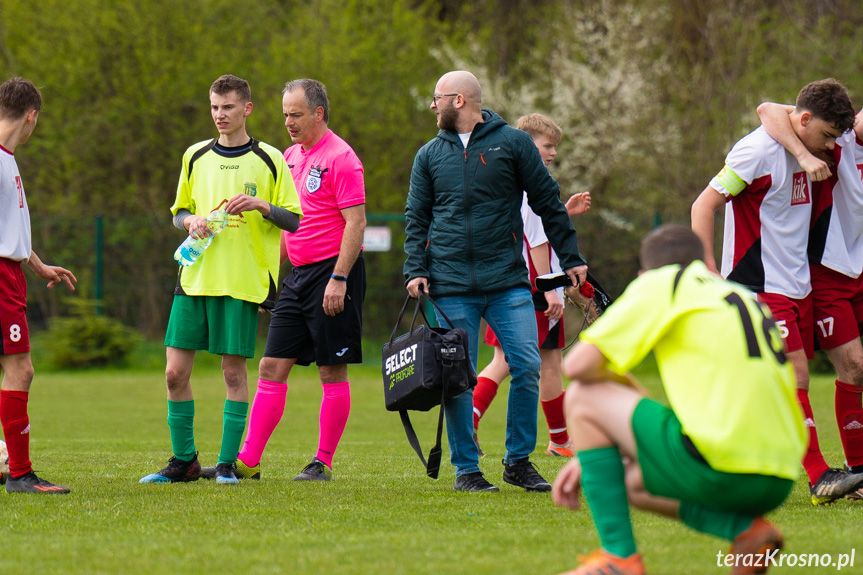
(318, 317)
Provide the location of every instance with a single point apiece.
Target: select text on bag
(405, 357)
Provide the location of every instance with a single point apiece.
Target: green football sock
(602, 478)
(233, 424)
(724, 524)
(181, 419)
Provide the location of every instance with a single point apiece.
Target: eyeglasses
(437, 97)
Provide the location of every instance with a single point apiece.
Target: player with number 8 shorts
(20, 102)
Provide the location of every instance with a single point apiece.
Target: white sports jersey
(15, 241)
(534, 235)
(836, 238)
(766, 218)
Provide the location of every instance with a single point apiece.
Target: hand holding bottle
(200, 238)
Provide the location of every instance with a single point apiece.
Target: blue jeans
(510, 314)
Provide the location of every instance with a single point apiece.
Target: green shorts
(672, 470)
(220, 325)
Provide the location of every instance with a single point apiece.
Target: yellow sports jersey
(721, 363)
(243, 260)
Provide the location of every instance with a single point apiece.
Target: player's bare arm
(352, 240)
(776, 121)
(539, 257)
(703, 215)
(54, 274)
(578, 204)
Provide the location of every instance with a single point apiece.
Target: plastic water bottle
(192, 248)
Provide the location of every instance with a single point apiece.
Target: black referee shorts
(299, 328)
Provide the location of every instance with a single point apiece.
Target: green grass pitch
(100, 431)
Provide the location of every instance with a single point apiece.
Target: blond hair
(539, 125)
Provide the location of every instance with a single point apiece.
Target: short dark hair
(670, 244)
(230, 83)
(17, 97)
(827, 100)
(316, 94)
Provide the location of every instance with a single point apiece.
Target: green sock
(181, 419)
(602, 478)
(233, 424)
(724, 524)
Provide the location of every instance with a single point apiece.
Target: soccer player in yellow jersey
(217, 298)
(728, 448)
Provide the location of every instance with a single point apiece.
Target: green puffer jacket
(464, 228)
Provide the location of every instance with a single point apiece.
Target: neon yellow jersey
(721, 363)
(243, 260)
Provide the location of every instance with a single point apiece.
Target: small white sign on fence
(377, 239)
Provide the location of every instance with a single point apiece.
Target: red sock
(813, 461)
(553, 410)
(483, 395)
(849, 416)
(16, 430)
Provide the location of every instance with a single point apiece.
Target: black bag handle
(437, 308)
(418, 309)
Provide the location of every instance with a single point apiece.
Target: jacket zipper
(468, 223)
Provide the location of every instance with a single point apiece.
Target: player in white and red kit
(20, 102)
(318, 317)
(769, 208)
(836, 263)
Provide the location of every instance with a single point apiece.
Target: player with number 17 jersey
(836, 247)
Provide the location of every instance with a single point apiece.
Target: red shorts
(837, 301)
(14, 333)
(794, 320)
(549, 338)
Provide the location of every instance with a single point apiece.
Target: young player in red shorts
(20, 102)
(836, 263)
(768, 199)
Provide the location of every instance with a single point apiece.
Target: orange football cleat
(601, 562)
(762, 538)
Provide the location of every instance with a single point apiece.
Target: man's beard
(448, 118)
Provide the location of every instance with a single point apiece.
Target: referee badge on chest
(313, 180)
